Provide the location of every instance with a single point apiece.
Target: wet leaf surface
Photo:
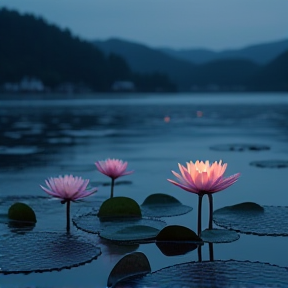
(163, 205)
(218, 274)
(130, 265)
(92, 224)
(44, 251)
(219, 236)
(248, 218)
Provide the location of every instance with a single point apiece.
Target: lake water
(41, 138)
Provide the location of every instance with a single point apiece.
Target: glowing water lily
(113, 168)
(68, 188)
(204, 178)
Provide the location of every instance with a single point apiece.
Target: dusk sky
(214, 24)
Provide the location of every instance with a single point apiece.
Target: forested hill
(30, 47)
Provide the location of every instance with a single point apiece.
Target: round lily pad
(270, 164)
(229, 273)
(92, 224)
(135, 263)
(251, 218)
(22, 212)
(119, 207)
(162, 205)
(131, 233)
(240, 147)
(44, 251)
(219, 236)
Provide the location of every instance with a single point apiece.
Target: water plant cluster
(122, 220)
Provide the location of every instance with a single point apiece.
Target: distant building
(123, 86)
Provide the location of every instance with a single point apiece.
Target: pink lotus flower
(113, 168)
(203, 177)
(68, 188)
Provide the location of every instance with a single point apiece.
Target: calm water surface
(44, 138)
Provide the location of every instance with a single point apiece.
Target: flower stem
(211, 252)
(68, 215)
(199, 229)
(199, 253)
(112, 188)
(210, 211)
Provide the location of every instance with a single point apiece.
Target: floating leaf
(229, 273)
(162, 205)
(240, 147)
(119, 207)
(92, 224)
(44, 251)
(130, 265)
(175, 248)
(270, 164)
(131, 233)
(251, 218)
(177, 233)
(219, 236)
(22, 212)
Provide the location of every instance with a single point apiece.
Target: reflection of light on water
(167, 119)
(199, 114)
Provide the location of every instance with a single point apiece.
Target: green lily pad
(270, 164)
(219, 236)
(22, 213)
(119, 207)
(251, 218)
(177, 233)
(218, 273)
(130, 265)
(240, 147)
(44, 251)
(163, 205)
(92, 224)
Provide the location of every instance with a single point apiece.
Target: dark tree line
(29, 46)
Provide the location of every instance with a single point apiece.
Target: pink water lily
(203, 177)
(113, 168)
(68, 188)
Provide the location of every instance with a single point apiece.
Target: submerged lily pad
(91, 223)
(44, 251)
(130, 265)
(119, 207)
(251, 218)
(270, 164)
(163, 205)
(240, 147)
(219, 236)
(229, 273)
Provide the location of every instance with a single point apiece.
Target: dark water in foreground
(44, 138)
